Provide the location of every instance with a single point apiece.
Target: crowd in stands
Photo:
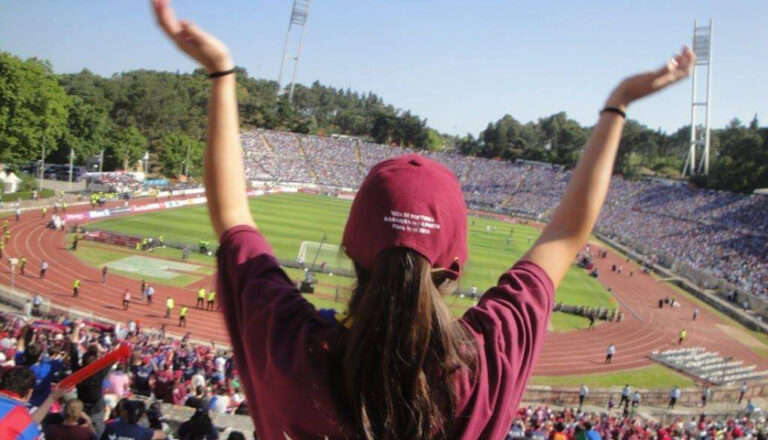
(122, 401)
(721, 233)
(543, 423)
(113, 182)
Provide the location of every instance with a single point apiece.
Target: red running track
(644, 329)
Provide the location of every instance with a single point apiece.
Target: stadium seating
(709, 366)
(715, 232)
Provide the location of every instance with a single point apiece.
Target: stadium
(667, 300)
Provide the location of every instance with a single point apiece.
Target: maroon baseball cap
(409, 201)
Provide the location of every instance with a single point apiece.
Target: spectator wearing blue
(16, 389)
(44, 368)
(591, 433)
(127, 427)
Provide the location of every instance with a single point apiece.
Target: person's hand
(57, 393)
(644, 84)
(195, 42)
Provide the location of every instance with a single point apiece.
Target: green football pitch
(288, 220)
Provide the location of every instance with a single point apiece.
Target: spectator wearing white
(743, 391)
(625, 395)
(220, 403)
(198, 379)
(705, 396)
(583, 393)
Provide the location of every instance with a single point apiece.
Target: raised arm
(74, 342)
(577, 212)
(224, 174)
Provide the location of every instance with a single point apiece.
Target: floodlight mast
(299, 15)
(702, 47)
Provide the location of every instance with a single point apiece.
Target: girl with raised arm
(400, 366)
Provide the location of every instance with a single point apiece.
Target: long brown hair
(402, 351)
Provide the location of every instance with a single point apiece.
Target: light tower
(702, 47)
(298, 21)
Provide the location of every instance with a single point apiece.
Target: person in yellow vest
(2, 247)
(22, 265)
(683, 335)
(45, 210)
(7, 236)
(76, 288)
(200, 298)
(64, 206)
(5, 225)
(211, 300)
(183, 316)
(168, 307)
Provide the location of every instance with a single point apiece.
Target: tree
(178, 153)
(87, 128)
(33, 109)
(742, 164)
(125, 147)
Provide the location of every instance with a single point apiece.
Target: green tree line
(163, 113)
(739, 153)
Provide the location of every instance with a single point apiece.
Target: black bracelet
(616, 110)
(220, 74)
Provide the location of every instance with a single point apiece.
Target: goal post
(329, 256)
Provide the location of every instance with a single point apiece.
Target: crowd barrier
(131, 209)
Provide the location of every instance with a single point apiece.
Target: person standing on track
(635, 400)
(609, 353)
(200, 298)
(400, 365)
(43, 269)
(22, 265)
(126, 299)
(44, 211)
(76, 288)
(211, 300)
(18, 214)
(183, 316)
(681, 338)
(149, 293)
(169, 307)
(104, 274)
(695, 313)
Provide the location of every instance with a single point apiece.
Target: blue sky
(460, 64)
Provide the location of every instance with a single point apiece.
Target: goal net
(329, 256)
